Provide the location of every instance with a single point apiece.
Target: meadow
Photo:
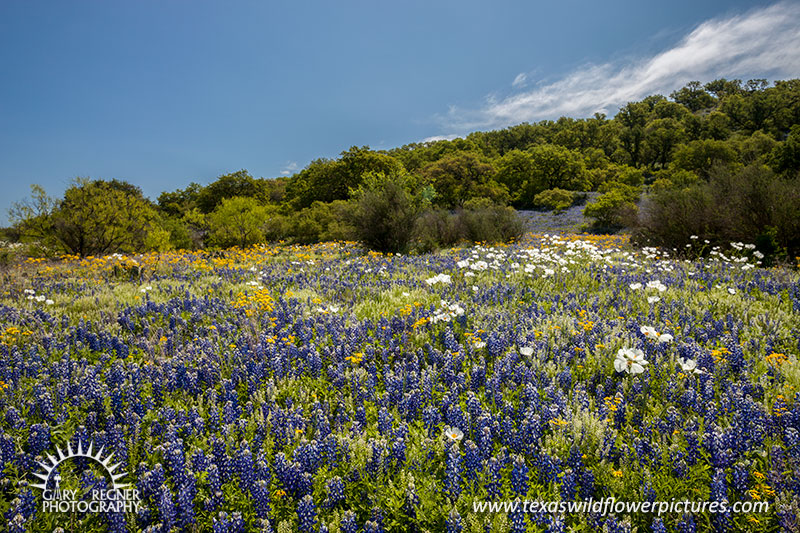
(327, 388)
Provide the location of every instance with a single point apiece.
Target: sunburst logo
(119, 498)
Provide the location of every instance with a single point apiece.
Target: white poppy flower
(526, 351)
(689, 366)
(630, 360)
(655, 284)
(649, 332)
(636, 286)
(453, 433)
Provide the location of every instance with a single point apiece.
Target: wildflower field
(325, 388)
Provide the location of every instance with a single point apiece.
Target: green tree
(667, 109)
(557, 167)
(755, 148)
(32, 218)
(722, 88)
(306, 187)
(700, 156)
(753, 109)
(693, 96)
(785, 158)
(554, 199)
(239, 183)
(326, 180)
(177, 203)
(515, 170)
(356, 163)
(94, 217)
(238, 221)
(633, 119)
(322, 222)
(717, 126)
(662, 135)
(457, 177)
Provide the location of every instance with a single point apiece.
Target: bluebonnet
(687, 524)
(185, 507)
(493, 477)
(569, 485)
(261, 496)
(517, 518)
(453, 523)
(453, 472)
(658, 526)
(166, 509)
(472, 460)
(519, 477)
(306, 514)
(349, 523)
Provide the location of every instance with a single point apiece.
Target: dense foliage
(665, 148)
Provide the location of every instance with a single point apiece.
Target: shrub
(320, 222)
(237, 221)
(489, 224)
(385, 211)
(435, 228)
(668, 217)
(554, 199)
(751, 205)
(615, 208)
(8, 255)
(479, 221)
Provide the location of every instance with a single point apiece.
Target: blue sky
(162, 93)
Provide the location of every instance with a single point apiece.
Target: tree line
(728, 152)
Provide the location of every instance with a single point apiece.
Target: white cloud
(762, 43)
(520, 81)
(290, 168)
(435, 138)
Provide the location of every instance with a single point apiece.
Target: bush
(9, 254)
(751, 205)
(489, 224)
(554, 199)
(668, 217)
(385, 211)
(319, 222)
(477, 222)
(615, 208)
(434, 229)
(238, 221)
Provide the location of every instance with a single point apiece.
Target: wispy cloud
(520, 81)
(759, 43)
(290, 168)
(440, 138)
